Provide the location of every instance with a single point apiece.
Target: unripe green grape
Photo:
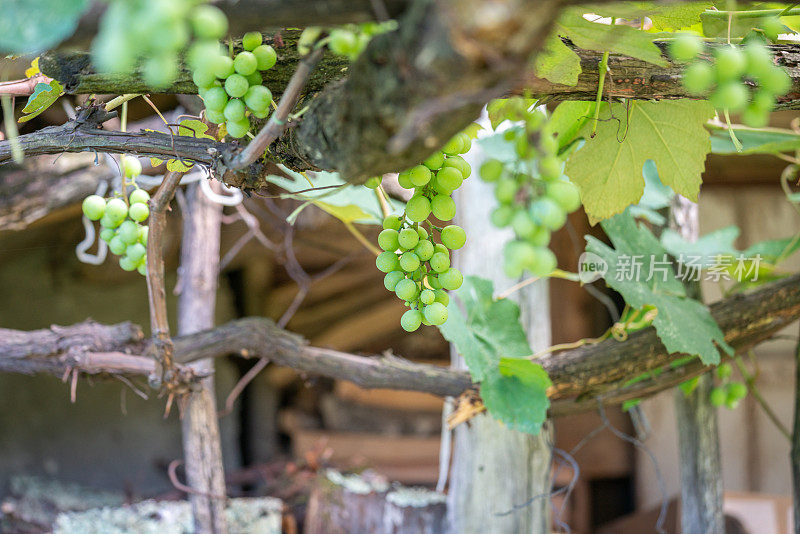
(698, 78)
(406, 289)
(427, 296)
(215, 99)
(548, 143)
(261, 114)
(544, 262)
(433, 281)
(392, 278)
(419, 175)
(404, 179)
(252, 40)
(215, 117)
(523, 223)
(343, 42)
(236, 85)
(453, 237)
(117, 245)
(424, 250)
(436, 313)
(438, 247)
(775, 81)
(546, 212)
(518, 254)
(143, 233)
(501, 216)
(116, 210)
(160, 71)
(209, 22)
(222, 66)
(550, 168)
(440, 262)
(94, 206)
(254, 79)
(411, 320)
(392, 222)
(425, 321)
(540, 237)
(491, 170)
(729, 63)
(387, 262)
(505, 190)
(107, 234)
(437, 186)
(239, 128)
(234, 110)
(566, 195)
(373, 183)
(731, 404)
(718, 397)
(724, 371)
(418, 208)
(202, 54)
(387, 240)
(139, 212)
(441, 296)
(459, 163)
(127, 264)
(131, 166)
(423, 233)
(128, 231)
(409, 262)
(453, 146)
(758, 59)
(136, 252)
(763, 101)
(266, 57)
(139, 196)
(142, 267)
(203, 78)
(451, 279)
(245, 63)
(434, 161)
(736, 391)
(685, 47)
(732, 96)
(408, 238)
(258, 98)
(449, 178)
(522, 148)
(443, 207)
(107, 222)
(754, 117)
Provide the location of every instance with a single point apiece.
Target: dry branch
(581, 377)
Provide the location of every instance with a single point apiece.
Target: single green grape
(423, 233)
(427, 296)
(449, 178)
(117, 245)
(127, 264)
(236, 85)
(234, 110)
(550, 168)
(436, 313)
(731, 95)
(505, 190)
(142, 267)
(451, 279)
(729, 63)
(136, 252)
(266, 57)
(540, 237)
(736, 390)
(215, 98)
(94, 206)
(724, 371)
(128, 231)
(209, 22)
(758, 59)
(409, 262)
(343, 42)
(775, 81)
(254, 79)
(252, 40)
(411, 320)
(143, 233)
(419, 175)
(453, 237)
(222, 67)
(238, 128)
(392, 222)
(203, 78)
(501, 215)
(387, 240)
(440, 262)
(443, 207)
(418, 208)
(108, 222)
(131, 166)
(522, 223)
(107, 234)
(406, 289)
(138, 212)
(434, 161)
(216, 117)
(718, 397)
(408, 238)
(387, 261)
(392, 278)
(755, 117)
(116, 210)
(763, 101)
(698, 78)
(404, 179)
(544, 262)
(139, 196)
(491, 170)
(424, 250)
(453, 146)
(457, 162)
(442, 296)
(685, 47)
(160, 71)
(245, 63)
(546, 212)
(565, 194)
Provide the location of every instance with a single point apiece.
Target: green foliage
(684, 325)
(667, 16)
(44, 95)
(28, 26)
(608, 168)
(490, 338)
(191, 128)
(753, 141)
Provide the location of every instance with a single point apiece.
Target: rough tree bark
(196, 305)
(500, 478)
(698, 433)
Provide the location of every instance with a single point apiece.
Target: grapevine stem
(600, 84)
(751, 14)
(116, 102)
(11, 130)
(385, 209)
(734, 139)
(751, 386)
(557, 273)
(361, 239)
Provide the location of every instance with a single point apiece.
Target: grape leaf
(188, 127)
(684, 325)
(665, 16)
(608, 168)
(44, 95)
(753, 141)
(557, 62)
(28, 26)
(707, 247)
(491, 340)
(33, 70)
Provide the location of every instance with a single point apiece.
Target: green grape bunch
(738, 78)
(232, 87)
(348, 40)
(418, 269)
(533, 196)
(122, 221)
(728, 393)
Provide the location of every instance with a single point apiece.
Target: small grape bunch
(231, 87)
(122, 222)
(533, 197)
(348, 41)
(729, 393)
(740, 79)
(417, 268)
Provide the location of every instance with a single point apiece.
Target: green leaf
(557, 62)
(765, 141)
(490, 338)
(774, 251)
(608, 168)
(28, 26)
(568, 120)
(717, 26)
(665, 16)
(684, 325)
(44, 95)
(707, 247)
